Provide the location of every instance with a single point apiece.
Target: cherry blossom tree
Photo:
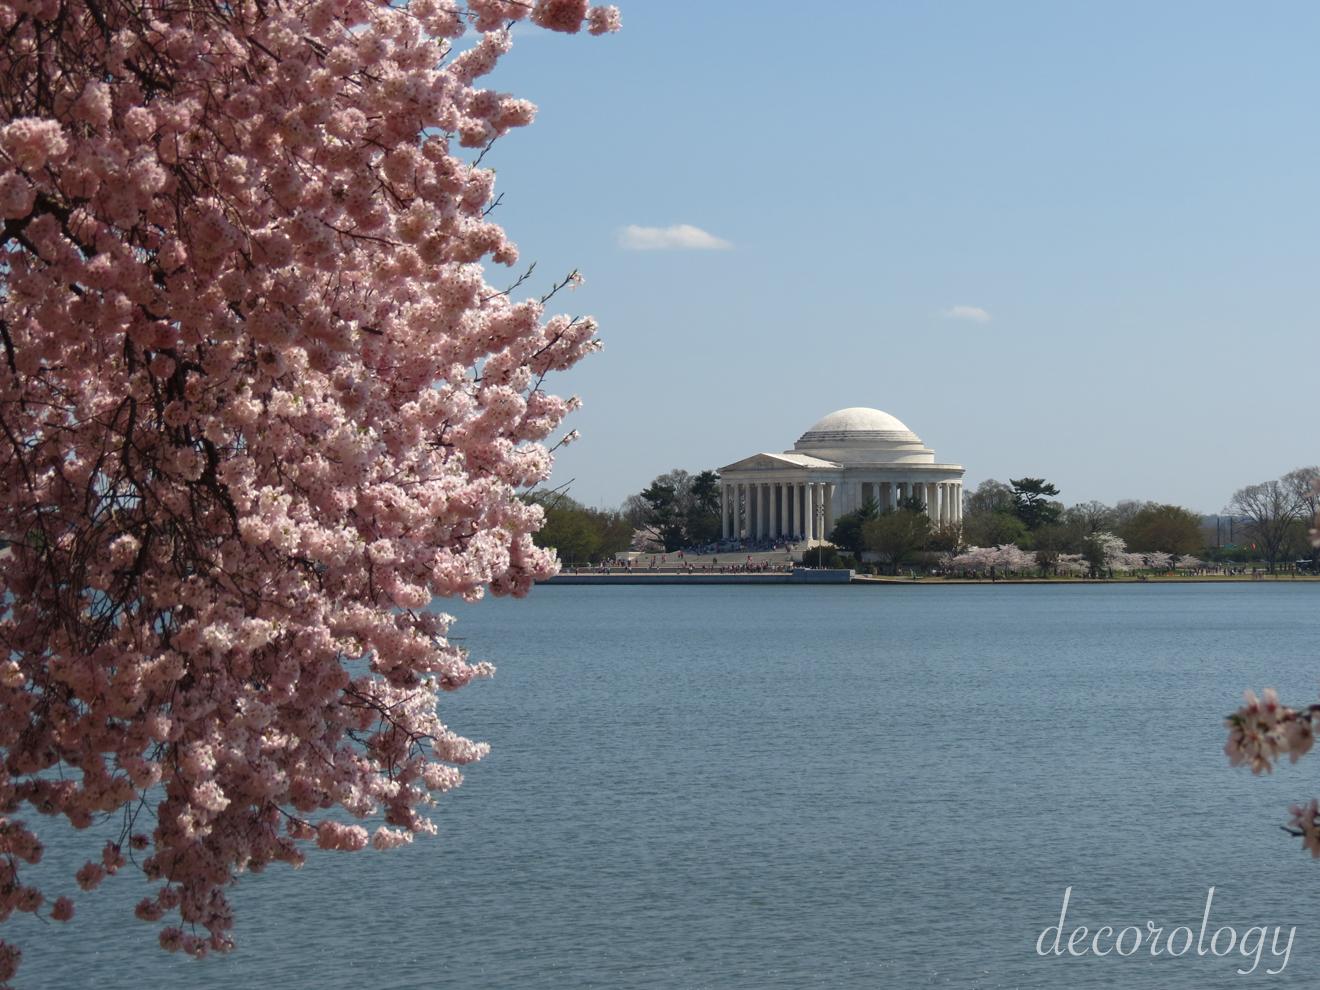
(1105, 551)
(258, 407)
(1263, 730)
(1006, 558)
(1157, 560)
(1009, 558)
(1071, 565)
(973, 560)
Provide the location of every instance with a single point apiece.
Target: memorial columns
(808, 512)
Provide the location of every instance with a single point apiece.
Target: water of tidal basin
(802, 787)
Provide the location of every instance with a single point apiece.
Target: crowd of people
(768, 545)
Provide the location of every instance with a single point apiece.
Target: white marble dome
(858, 434)
(845, 460)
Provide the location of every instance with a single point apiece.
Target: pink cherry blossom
(260, 406)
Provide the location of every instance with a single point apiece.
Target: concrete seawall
(797, 576)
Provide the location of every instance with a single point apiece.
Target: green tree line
(678, 510)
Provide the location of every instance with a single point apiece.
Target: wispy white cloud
(974, 314)
(679, 237)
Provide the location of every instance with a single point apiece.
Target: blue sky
(1128, 191)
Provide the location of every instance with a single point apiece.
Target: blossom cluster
(259, 406)
(1008, 558)
(1262, 730)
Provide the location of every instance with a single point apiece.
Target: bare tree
(1304, 483)
(1270, 508)
(989, 496)
(1091, 517)
(1126, 510)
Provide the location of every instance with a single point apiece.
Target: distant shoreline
(1099, 582)
(805, 576)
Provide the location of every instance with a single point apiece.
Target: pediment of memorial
(777, 462)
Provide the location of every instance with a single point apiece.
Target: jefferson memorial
(849, 456)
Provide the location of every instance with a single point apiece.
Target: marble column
(808, 511)
(737, 512)
(724, 512)
(774, 510)
(831, 493)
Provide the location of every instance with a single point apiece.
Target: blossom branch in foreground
(1263, 730)
(258, 407)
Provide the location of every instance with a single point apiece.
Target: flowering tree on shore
(258, 405)
(1072, 565)
(1004, 559)
(1156, 560)
(1104, 551)
(1263, 730)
